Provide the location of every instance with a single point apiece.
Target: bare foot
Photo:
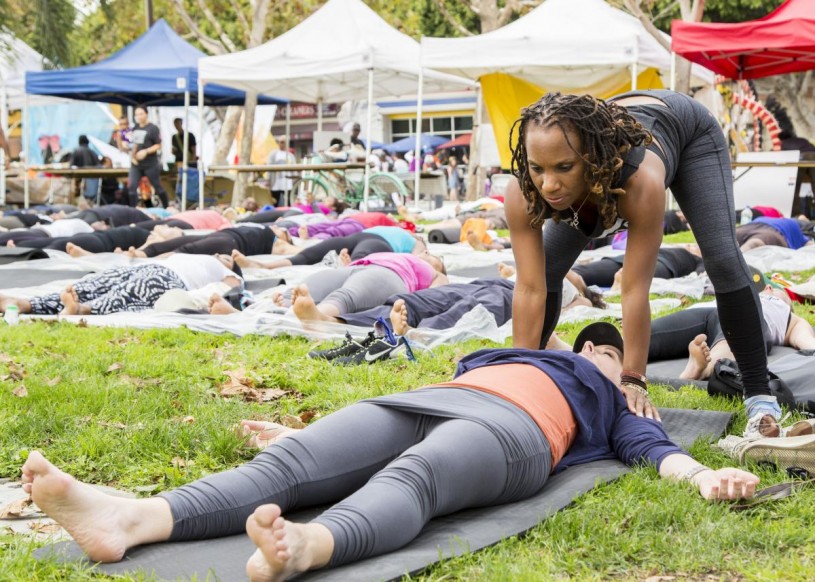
(506, 271)
(282, 234)
(136, 253)
(399, 317)
(474, 241)
(344, 257)
(77, 251)
(281, 247)
(285, 548)
(261, 433)
(304, 307)
(303, 232)
(698, 360)
(241, 260)
(279, 300)
(71, 304)
(217, 305)
(11, 244)
(95, 520)
(22, 304)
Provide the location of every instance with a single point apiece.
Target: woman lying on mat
(359, 286)
(595, 168)
(695, 333)
(131, 287)
(390, 464)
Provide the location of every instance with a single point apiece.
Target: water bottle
(746, 215)
(12, 315)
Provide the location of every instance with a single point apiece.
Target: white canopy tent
(561, 45)
(16, 58)
(343, 51)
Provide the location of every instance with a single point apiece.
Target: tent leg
(417, 175)
(26, 193)
(201, 182)
(287, 195)
(366, 190)
(185, 156)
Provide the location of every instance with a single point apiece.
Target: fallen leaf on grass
(114, 367)
(82, 323)
(45, 527)
(309, 415)
(292, 421)
(660, 578)
(185, 420)
(20, 391)
(181, 463)
(15, 508)
(239, 384)
(53, 381)
(5, 358)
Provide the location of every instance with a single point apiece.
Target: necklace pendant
(574, 221)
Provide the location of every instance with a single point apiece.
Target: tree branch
(210, 44)
(247, 30)
(227, 42)
(634, 8)
(449, 18)
(260, 10)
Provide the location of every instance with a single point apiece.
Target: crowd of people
(583, 170)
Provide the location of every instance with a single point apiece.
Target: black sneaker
(346, 348)
(380, 349)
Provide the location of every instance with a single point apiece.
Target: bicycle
(385, 190)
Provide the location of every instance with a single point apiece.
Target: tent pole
(287, 201)
(634, 65)
(200, 150)
(186, 144)
(366, 191)
(320, 114)
(26, 193)
(673, 71)
(417, 175)
(4, 128)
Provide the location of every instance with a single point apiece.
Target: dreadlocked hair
(607, 133)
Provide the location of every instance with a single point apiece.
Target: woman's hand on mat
(640, 404)
(727, 483)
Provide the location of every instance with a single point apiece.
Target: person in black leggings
(597, 167)
(113, 215)
(251, 240)
(671, 263)
(101, 241)
(358, 246)
(388, 465)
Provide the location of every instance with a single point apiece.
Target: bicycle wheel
(315, 186)
(388, 186)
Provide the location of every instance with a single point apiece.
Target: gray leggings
(698, 173)
(357, 288)
(389, 465)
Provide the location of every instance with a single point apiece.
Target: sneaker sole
(785, 453)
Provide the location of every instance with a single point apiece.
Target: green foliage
(46, 25)
(433, 22)
(664, 11)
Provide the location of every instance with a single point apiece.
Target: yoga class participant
(388, 465)
(597, 167)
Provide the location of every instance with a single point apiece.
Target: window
(444, 126)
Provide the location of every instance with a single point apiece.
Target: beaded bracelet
(635, 375)
(641, 389)
(635, 380)
(695, 471)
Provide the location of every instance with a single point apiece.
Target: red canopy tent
(462, 140)
(781, 42)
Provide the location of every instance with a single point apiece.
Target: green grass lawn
(142, 411)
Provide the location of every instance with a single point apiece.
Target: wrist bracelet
(636, 375)
(634, 378)
(695, 471)
(641, 389)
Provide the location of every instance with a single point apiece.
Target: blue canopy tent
(427, 143)
(158, 68)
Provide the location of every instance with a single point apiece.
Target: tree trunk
(227, 135)
(239, 193)
(683, 75)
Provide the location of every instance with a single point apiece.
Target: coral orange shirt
(534, 392)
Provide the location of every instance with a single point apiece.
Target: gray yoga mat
(444, 537)
(22, 277)
(479, 272)
(667, 371)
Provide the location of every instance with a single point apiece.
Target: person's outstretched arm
(529, 297)
(799, 334)
(725, 483)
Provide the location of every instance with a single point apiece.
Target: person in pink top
(360, 285)
(203, 219)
